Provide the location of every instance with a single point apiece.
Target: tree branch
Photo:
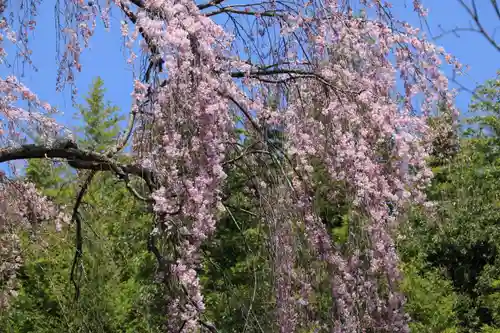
(152, 47)
(210, 4)
(76, 217)
(474, 14)
(229, 9)
(78, 159)
(138, 3)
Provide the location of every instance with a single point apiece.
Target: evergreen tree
(117, 287)
(100, 119)
(460, 241)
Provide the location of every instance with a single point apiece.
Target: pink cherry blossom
(328, 81)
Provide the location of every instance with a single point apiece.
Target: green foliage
(50, 176)
(489, 329)
(236, 272)
(117, 287)
(117, 280)
(101, 119)
(486, 100)
(460, 240)
(446, 142)
(430, 300)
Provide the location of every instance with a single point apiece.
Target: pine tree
(100, 119)
(117, 285)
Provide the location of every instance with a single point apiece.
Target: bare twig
(474, 14)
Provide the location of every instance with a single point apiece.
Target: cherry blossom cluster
(355, 126)
(21, 209)
(15, 119)
(191, 127)
(351, 94)
(346, 112)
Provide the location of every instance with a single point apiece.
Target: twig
(474, 14)
(267, 13)
(76, 217)
(210, 4)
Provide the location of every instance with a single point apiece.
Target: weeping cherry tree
(348, 94)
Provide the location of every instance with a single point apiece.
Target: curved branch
(152, 47)
(266, 72)
(76, 217)
(229, 9)
(293, 74)
(78, 159)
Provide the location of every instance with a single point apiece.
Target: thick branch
(292, 75)
(77, 158)
(229, 9)
(138, 3)
(152, 47)
(266, 72)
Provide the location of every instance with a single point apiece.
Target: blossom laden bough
(327, 80)
(21, 208)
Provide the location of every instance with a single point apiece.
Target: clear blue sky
(470, 48)
(105, 56)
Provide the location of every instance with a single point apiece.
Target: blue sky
(470, 48)
(105, 57)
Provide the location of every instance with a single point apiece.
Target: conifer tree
(101, 120)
